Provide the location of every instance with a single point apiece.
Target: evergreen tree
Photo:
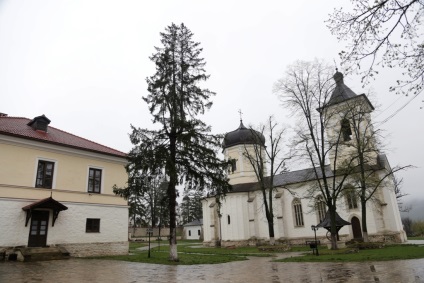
(191, 206)
(183, 143)
(146, 197)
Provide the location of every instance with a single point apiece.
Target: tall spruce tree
(183, 144)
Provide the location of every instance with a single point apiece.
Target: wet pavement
(253, 270)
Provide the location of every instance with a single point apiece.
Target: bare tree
(400, 194)
(371, 171)
(407, 226)
(306, 89)
(267, 157)
(146, 196)
(383, 34)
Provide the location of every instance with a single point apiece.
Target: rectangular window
(94, 180)
(198, 232)
(92, 225)
(45, 172)
(189, 233)
(352, 201)
(233, 165)
(298, 214)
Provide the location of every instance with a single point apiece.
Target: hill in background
(417, 209)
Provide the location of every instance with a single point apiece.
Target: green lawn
(193, 252)
(394, 252)
(415, 238)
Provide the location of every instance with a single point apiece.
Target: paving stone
(253, 270)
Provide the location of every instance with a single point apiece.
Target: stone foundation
(97, 249)
(388, 237)
(264, 242)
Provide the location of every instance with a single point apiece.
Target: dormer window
(40, 123)
(346, 131)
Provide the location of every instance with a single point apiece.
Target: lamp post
(315, 228)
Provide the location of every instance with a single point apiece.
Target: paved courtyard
(254, 270)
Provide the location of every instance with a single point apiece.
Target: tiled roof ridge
(87, 140)
(118, 152)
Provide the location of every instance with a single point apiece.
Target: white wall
(379, 218)
(69, 226)
(192, 232)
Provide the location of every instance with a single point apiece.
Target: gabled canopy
(326, 222)
(47, 203)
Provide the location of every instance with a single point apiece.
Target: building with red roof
(56, 189)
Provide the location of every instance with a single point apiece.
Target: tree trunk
(364, 220)
(269, 215)
(333, 227)
(173, 255)
(271, 233)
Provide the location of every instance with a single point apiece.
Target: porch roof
(47, 203)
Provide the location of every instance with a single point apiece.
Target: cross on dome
(240, 113)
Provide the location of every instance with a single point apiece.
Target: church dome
(243, 135)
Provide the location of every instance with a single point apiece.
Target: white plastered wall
(69, 226)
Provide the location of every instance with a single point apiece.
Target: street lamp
(315, 228)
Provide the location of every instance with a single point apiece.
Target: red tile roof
(17, 126)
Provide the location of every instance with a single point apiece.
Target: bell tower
(349, 126)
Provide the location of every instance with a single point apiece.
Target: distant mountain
(417, 209)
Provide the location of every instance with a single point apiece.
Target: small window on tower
(232, 167)
(346, 131)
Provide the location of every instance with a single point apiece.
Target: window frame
(232, 166)
(91, 189)
(45, 161)
(320, 208)
(92, 225)
(298, 213)
(351, 199)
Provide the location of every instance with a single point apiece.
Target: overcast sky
(83, 64)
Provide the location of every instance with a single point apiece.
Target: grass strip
(393, 252)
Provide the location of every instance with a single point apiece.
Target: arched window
(351, 197)
(298, 214)
(320, 208)
(346, 131)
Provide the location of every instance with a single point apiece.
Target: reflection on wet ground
(253, 270)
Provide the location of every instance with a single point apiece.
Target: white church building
(239, 218)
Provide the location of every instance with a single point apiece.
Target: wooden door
(356, 228)
(38, 229)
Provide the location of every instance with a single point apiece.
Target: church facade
(239, 218)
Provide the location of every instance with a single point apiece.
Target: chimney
(39, 123)
(3, 114)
